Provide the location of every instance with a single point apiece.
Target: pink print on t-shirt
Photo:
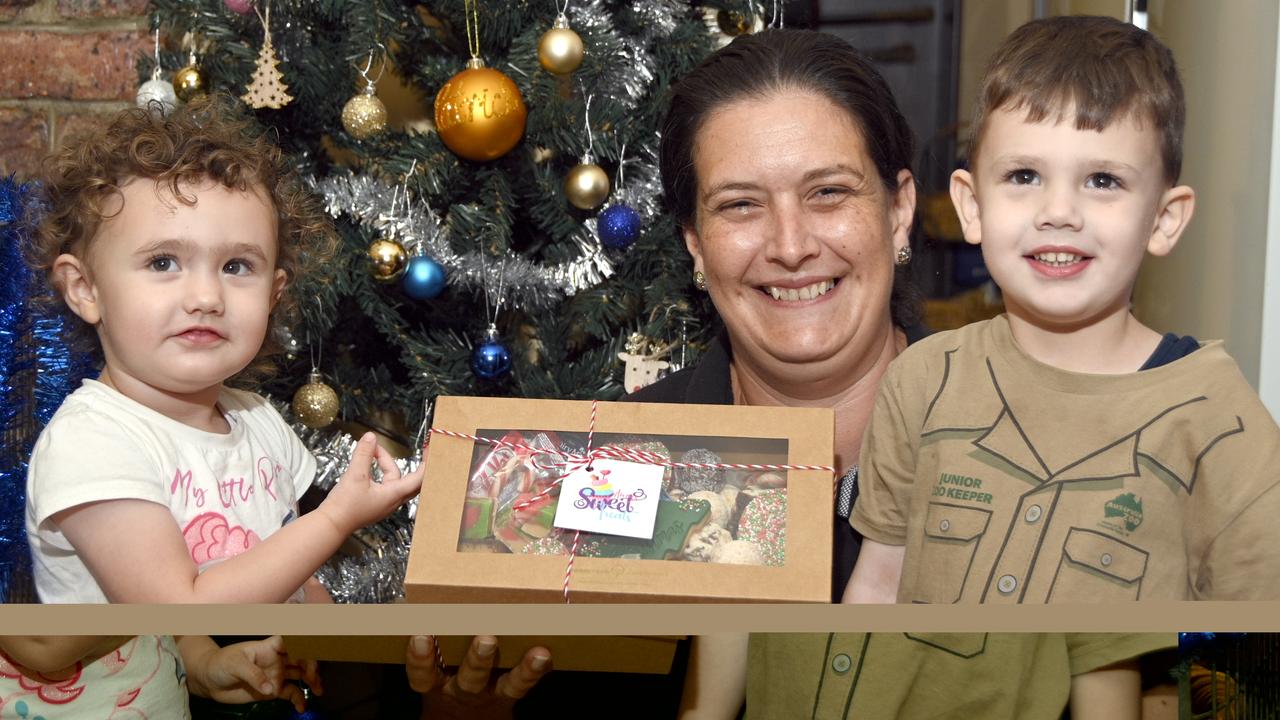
(210, 537)
(54, 692)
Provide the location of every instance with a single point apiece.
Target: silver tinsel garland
(370, 567)
(373, 203)
(376, 204)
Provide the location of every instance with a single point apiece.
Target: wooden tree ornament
(267, 89)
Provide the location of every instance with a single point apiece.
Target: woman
(787, 164)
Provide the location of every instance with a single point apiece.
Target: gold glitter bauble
(315, 404)
(479, 113)
(364, 116)
(189, 82)
(586, 186)
(387, 260)
(560, 49)
(734, 23)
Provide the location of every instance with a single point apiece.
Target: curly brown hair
(211, 138)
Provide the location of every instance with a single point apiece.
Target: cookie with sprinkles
(764, 522)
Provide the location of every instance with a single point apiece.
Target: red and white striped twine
(567, 462)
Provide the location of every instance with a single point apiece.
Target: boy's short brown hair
(1104, 68)
(210, 138)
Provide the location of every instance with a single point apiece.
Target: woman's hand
(246, 671)
(472, 692)
(356, 500)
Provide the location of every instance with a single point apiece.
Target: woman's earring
(699, 280)
(904, 255)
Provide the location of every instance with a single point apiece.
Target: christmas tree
(566, 281)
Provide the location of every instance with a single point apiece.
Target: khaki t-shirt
(928, 676)
(1012, 481)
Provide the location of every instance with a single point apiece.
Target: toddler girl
(176, 240)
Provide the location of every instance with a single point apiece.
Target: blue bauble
(423, 279)
(619, 226)
(491, 359)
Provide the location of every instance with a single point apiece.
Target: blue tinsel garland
(37, 370)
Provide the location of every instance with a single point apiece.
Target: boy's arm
(1113, 692)
(715, 684)
(51, 655)
(877, 573)
(137, 553)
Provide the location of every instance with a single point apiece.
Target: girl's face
(795, 230)
(181, 294)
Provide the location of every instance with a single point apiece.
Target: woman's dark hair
(772, 61)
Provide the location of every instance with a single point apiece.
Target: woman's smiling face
(795, 229)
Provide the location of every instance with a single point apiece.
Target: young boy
(1065, 452)
(914, 676)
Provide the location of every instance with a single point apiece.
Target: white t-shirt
(143, 678)
(226, 492)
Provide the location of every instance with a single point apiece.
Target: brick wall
(64, 66)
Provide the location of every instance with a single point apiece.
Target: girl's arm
(137, 553)
(877, 573)
(244, 672)
(715, 684)
(52, 656)
(1111, 693)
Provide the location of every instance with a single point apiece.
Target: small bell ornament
(190, 81)
(587, 185)
(424, 278)
(364, 115)
(491, 359)
(387, 260)
(560, 49)
(315, 404)
(157, 93)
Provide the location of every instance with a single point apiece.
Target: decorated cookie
(706, 543)
(692, 480)
(768, 480)
(650, 446)
(739, 552)
(675, 522)
(719, 508)
(729, 493)
(550, 545)
(764, 522)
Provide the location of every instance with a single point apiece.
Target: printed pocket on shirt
(1098, 568)
(964, 645)
(951, 537)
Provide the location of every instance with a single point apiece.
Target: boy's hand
(255, 670)
(356, 500)
(471, 693)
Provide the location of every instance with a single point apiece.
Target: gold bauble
(734, 23)
(586, 186)
(315, 404)
(479, 113)
(387, 260)
(189, 82)
(364, 116)
(560, 49)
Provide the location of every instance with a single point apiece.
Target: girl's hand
(472, 692)
(356, 500)
(252, 671)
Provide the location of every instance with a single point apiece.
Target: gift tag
(613, 497)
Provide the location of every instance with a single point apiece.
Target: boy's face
(180, 295)
(1064, 216)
